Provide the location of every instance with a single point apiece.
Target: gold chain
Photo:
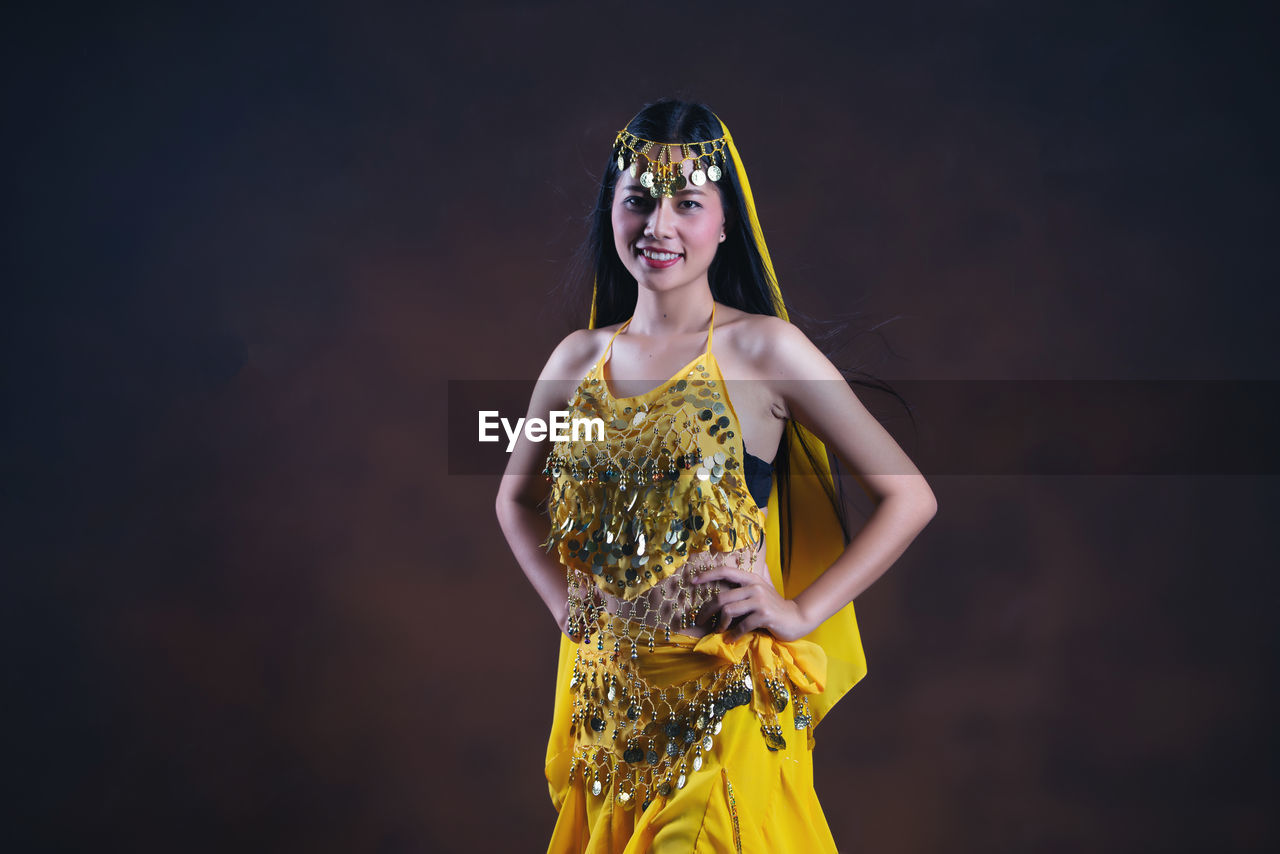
(660, 166)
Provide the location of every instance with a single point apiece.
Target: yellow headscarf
(814, 530)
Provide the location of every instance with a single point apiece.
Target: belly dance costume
(666, 736)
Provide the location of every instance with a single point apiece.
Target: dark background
(248, 609)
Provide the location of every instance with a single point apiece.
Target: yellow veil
(815, 533)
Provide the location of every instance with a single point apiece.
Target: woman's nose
(659, 224)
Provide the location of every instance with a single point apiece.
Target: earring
(722, 237)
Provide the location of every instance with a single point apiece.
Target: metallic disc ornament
(622, 163)
(646, 180)
(698, 177)
(780, 695)
(714, 173)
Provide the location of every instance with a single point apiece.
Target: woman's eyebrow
(637, 188)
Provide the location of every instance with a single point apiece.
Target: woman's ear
(730, 221)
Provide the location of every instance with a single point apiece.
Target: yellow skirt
(744, 797)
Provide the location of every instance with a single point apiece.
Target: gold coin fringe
(660, 166)
(664, 483)
(637, 741)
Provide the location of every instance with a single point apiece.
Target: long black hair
(738, 278)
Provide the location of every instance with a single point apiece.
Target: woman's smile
(658, 258)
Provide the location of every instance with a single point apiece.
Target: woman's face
(666, 243)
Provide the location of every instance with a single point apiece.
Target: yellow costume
(662, 740)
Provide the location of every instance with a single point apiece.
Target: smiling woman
(705, 607)
(667, 241)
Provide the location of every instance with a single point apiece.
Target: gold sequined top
(636, 514)
(665, 483)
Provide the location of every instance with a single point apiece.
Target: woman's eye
(691, 204)
(635, 202)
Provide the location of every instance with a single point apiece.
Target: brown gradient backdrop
(249, 611)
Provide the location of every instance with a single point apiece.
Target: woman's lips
(665, 259)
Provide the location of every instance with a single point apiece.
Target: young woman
(697, 563)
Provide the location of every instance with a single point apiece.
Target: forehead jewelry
(660, 167)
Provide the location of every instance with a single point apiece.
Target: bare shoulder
(754, 339)
(772, 348)
(576, 353)
(742, 332)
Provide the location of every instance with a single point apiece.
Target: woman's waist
(677, 603)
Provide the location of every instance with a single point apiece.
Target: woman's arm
(815, 394)
(523, 488)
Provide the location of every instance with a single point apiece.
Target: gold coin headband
(663, 174)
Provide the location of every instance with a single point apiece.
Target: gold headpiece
(664, 174)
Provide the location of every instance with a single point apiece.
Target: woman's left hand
(754, 602)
